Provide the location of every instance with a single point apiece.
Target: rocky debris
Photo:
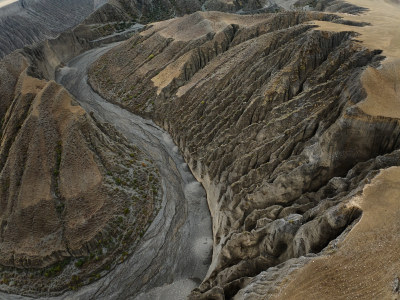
(359, 264)
(264, 109)
(150, 11)
(75, 196)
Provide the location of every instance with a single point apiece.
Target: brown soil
(241, 102)
(366, 263)
(382, 85)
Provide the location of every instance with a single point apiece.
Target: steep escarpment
(169, 53)
(75, 196)
(28, 21)
(265, 110)
(150, 11)
(330, 6)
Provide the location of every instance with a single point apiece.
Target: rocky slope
(75, 196)
(150, 11)
(266, 111)
(28, 21)
(286, 125)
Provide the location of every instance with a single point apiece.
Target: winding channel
(173, 256)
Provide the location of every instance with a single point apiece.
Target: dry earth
(75, 196)
(281, 122)
(366, 264)
(26, 22)
(293, 130)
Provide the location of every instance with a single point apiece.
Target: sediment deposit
(290, 121)
(75, 195)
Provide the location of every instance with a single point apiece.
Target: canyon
(285, 112)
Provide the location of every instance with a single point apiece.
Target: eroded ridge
(75, 196)
(24, 22)
(265, 110)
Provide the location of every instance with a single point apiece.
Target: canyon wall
(266, 111)
(75, 195)
(29, 21)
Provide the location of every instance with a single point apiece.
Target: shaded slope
(365, 263)
(28, 21)
(119, 254)
(265, 111)
(156, 10)
(75, 196)
(358, 267)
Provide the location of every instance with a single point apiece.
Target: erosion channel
(176, 249)
(173, 256)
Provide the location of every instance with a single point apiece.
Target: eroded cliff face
(29, 21)
(75, 196)
(265, 110)
(150, 11)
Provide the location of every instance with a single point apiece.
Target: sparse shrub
(80, 263)
(5, 280)
(60, 207)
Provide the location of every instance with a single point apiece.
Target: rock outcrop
(265, 110)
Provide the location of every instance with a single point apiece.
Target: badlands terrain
(24, 22)
(232, 150)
